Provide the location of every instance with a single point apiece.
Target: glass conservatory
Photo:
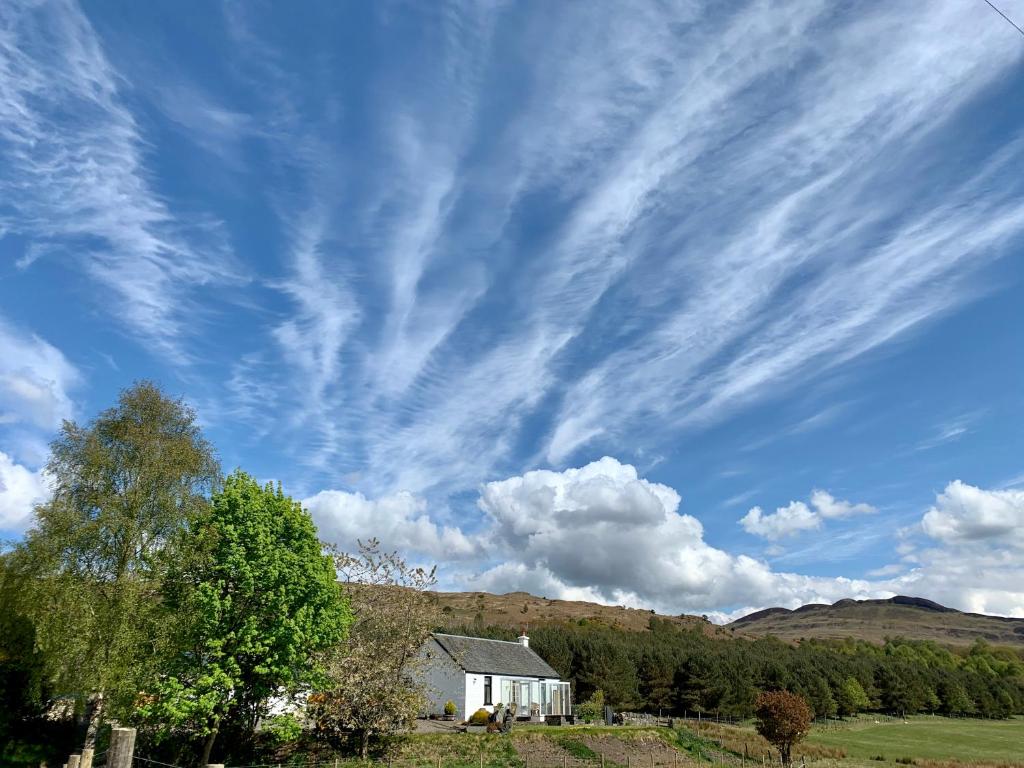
(537, 697)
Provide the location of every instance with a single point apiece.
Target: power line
(1010, 21)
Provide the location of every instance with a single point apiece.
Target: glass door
(523, 710)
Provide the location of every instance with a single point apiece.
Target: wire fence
(147, 761)
(639, 760)
(704, 742)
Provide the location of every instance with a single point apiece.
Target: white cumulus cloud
(785, 521)
(963, 513)
(20, 490)
(829, 507)
(797, 516)
(602, 531)
(34, 381)
(971, 559)
(400, 521)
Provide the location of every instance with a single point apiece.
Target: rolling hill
(874, 620)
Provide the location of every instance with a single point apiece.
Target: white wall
(475, 693)
(444, 681)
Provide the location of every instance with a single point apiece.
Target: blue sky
(694, 306)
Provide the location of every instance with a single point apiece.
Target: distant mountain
(874, 620)
(516, 610)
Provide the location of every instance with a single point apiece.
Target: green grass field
(866, 744)
(934, 738)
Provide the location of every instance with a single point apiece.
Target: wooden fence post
(74, 760)
(122, 748)
(86, 761)
(215, 765)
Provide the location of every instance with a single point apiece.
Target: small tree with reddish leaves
(783, 719)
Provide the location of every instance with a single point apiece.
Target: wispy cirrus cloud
(817, 190)
(75, 176)
(727, 213)
(949, 431)
(484, 239)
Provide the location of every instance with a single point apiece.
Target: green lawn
(936, 738)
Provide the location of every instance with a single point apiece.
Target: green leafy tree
(819, 696)
(375, 683)
(20, 668)
(954, 699)
(124, 489)
(851, 697)
(783, 719)
(592, 710)
(262, 600)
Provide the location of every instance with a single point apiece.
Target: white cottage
(478, 673)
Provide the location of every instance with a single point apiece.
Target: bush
(480, 717)
(282, 729)
(593, 708)
(449, 707)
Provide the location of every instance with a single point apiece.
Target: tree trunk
(95, 718)
(364, 744)
(784, 753)
(208, 746)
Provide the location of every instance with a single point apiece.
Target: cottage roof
(499, 657)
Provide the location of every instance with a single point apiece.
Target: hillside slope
(874, 620)
(516, 610)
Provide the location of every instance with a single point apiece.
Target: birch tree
(124, 489)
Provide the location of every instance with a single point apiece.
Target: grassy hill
(518, 609)
(874, 620)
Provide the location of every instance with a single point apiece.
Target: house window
(487, 689)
